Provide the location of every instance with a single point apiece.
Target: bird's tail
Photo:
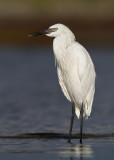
(78, 109)
(87, 107)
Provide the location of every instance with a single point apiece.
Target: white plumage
(75, 69)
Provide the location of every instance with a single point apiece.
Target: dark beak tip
(39, 33)
(35, 34)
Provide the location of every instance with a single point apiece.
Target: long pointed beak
(47, 31)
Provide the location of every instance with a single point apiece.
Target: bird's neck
(60, 45)
(63, 41)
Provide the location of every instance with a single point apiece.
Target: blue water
(31, 101)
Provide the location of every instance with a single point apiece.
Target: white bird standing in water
(75, 71)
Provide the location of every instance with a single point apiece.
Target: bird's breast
(62, 55)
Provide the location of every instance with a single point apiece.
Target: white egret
(75, 71)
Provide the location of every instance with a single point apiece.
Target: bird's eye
(55, 29)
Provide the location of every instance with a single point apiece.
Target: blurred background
(29, 88)
(31, 100)
(92, 21)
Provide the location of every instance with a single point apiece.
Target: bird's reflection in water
(82, 151)
(79, 151)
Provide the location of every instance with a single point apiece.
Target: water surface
(31, 101)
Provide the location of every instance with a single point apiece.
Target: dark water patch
(59, 136)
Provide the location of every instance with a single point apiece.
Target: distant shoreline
(15, 31)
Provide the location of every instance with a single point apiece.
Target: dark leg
(81, 123)
(71, 124)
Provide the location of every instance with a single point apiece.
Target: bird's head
(54, 31)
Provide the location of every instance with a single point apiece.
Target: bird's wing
(86, 75)
(61, 82)
(86, 71)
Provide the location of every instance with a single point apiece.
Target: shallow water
(31, 101)
(56, 149)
